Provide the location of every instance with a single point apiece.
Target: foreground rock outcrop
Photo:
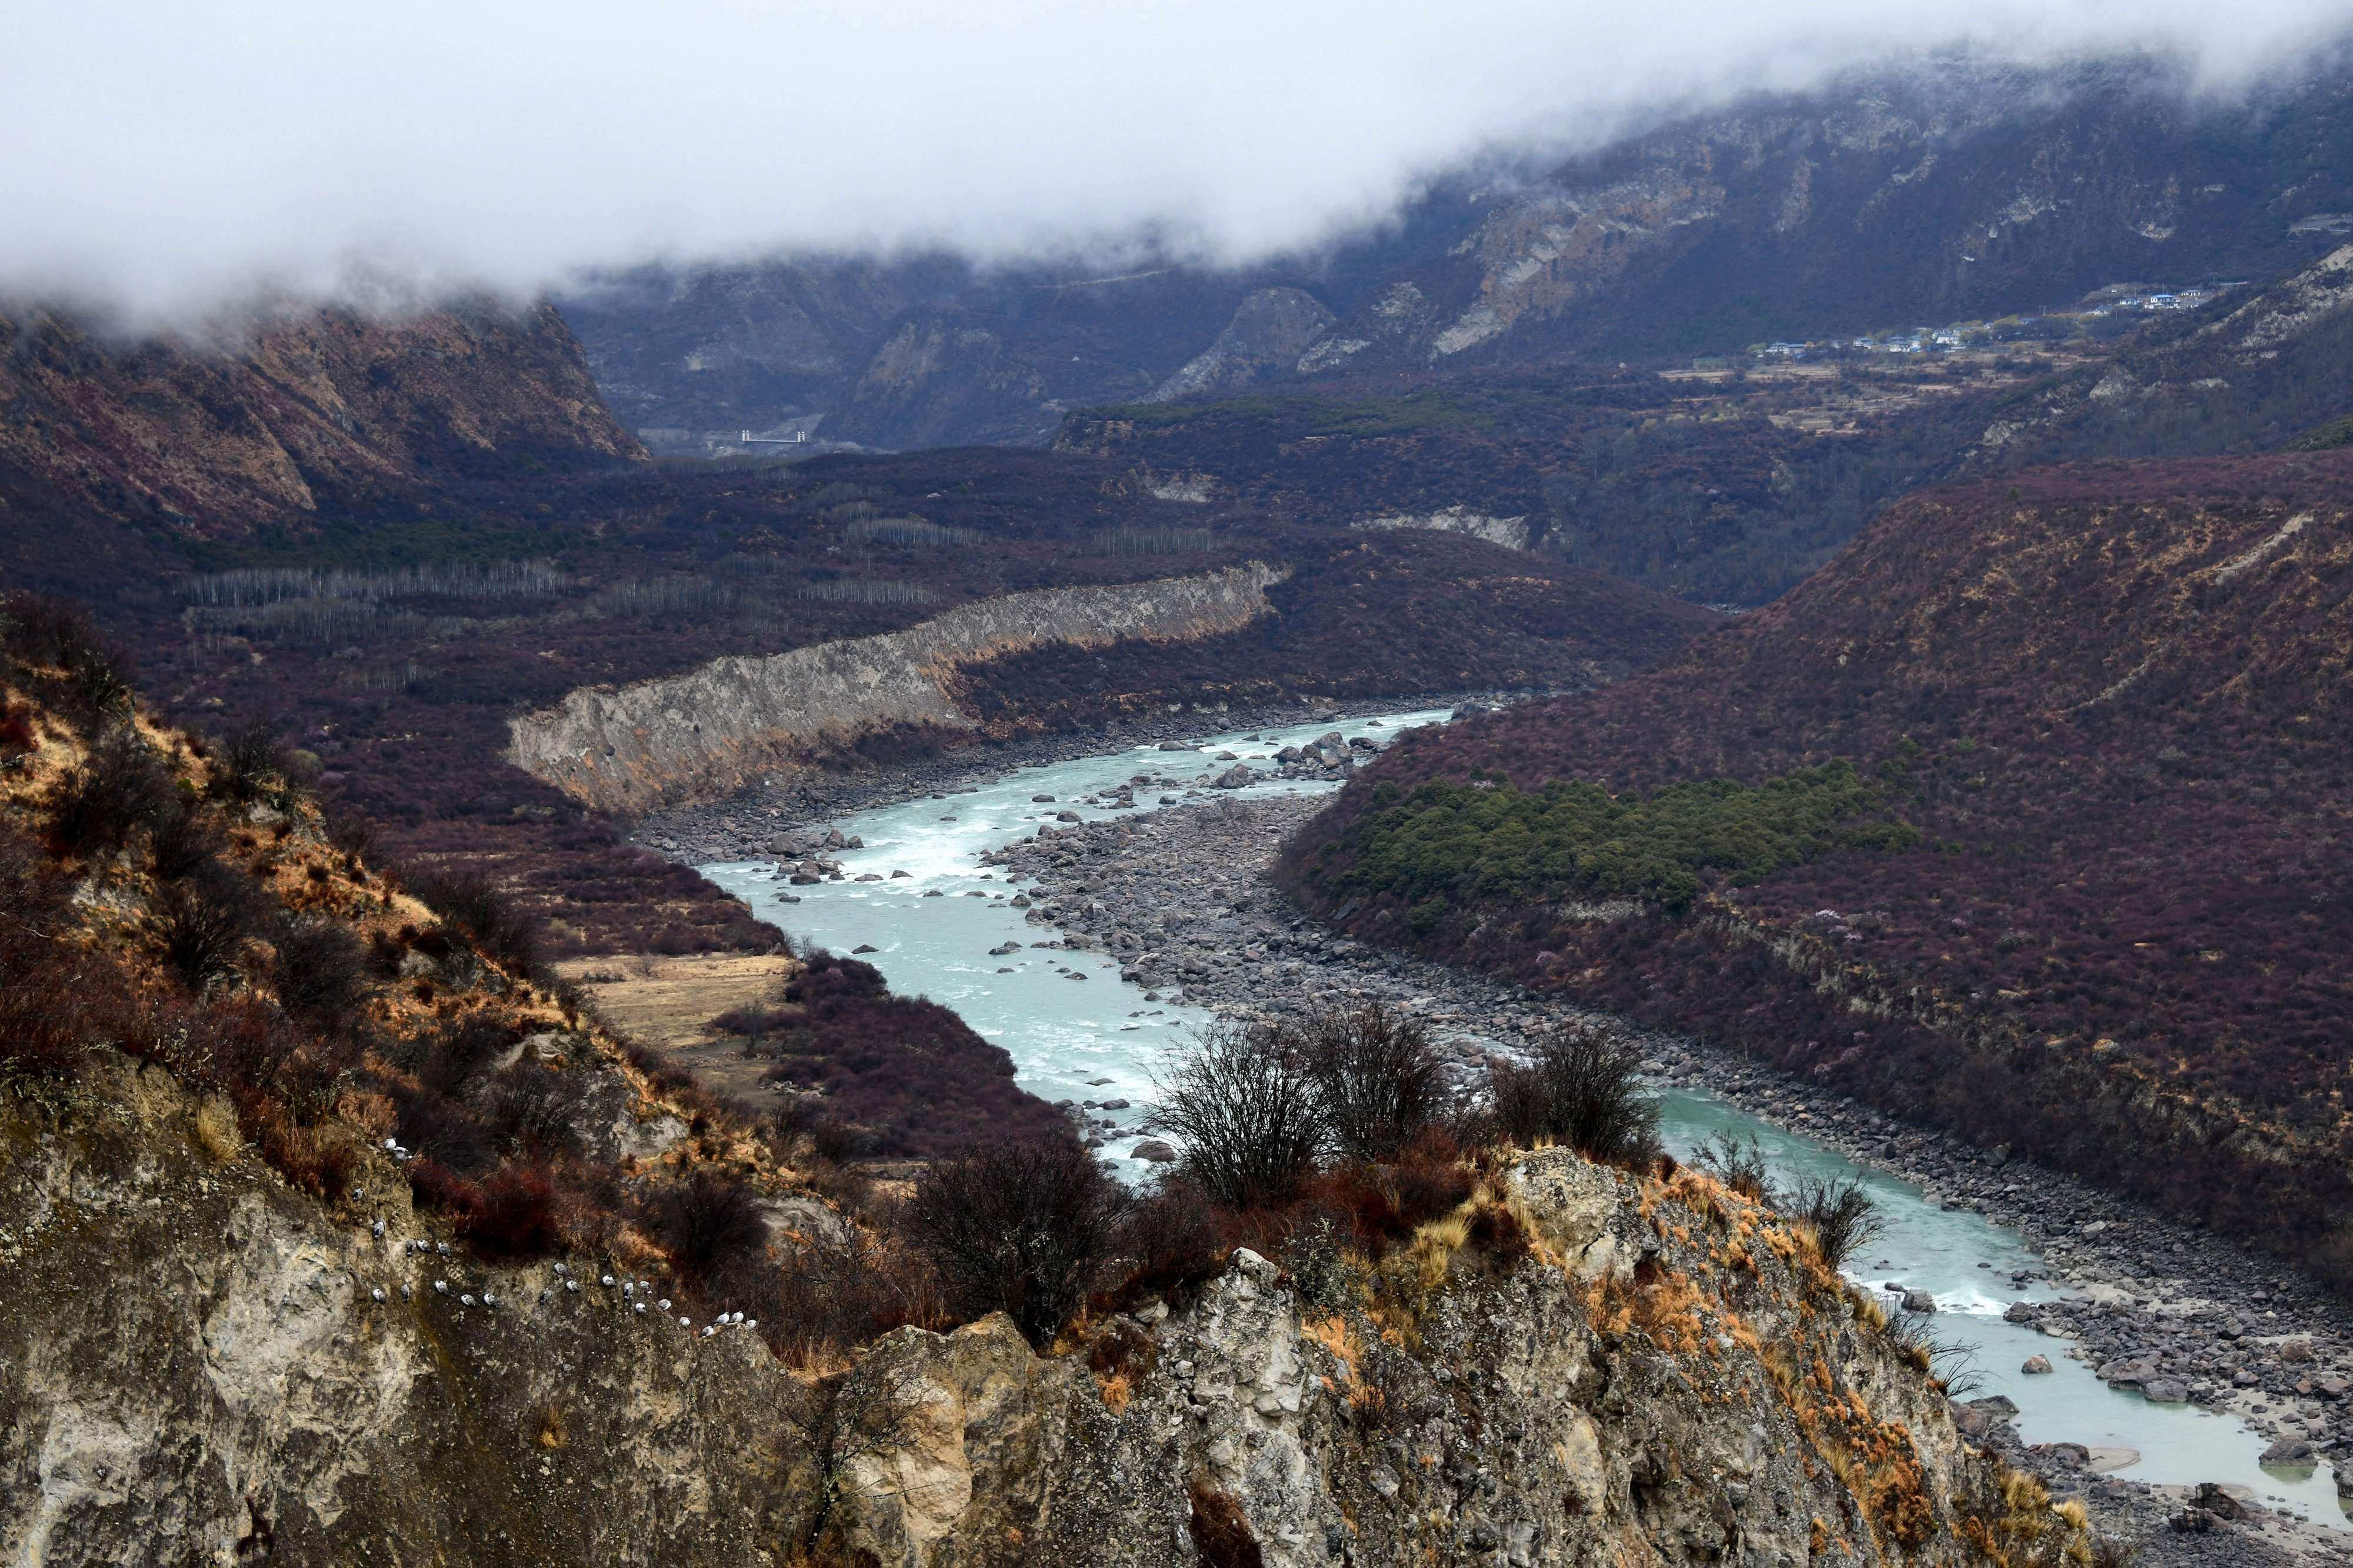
(1659, 1378)
(290, 417)
(1579, 1367)
(193, 1368)
(728, 724)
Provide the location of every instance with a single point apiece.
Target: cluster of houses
(2008, 329)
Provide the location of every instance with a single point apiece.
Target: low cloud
(163, 160)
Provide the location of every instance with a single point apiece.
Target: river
(1076, 1032)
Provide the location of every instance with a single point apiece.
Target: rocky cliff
(735, 720)
(279, 419)
(198, 1369)
(1657, 1376)
(1931, 192)
(194, 1366)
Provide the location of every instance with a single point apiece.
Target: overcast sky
(166, 156)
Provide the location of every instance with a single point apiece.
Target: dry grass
(668, 1002)
(216, 1132)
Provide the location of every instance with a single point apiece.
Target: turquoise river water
(1101, 1039)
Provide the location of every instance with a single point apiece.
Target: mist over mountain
(1891, 197)
(1644, 658)
(441, 146)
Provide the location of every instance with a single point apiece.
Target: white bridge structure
(747, 440)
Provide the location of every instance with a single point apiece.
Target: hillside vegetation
(2086, 896)
(394, 641)
(391, 1246)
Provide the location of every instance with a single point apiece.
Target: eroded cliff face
(311, 407)
(192, 1369)
(1657, 1383)
(735, 720)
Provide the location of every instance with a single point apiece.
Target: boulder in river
(1236, 777)
(1919, 1302)
(2036, 1364)
(1154, 1150)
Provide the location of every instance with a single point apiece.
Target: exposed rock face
(1592, 1409)
(1271, 332)
(189, 1352)
(311, 407)
(731, 722)
(1932, 192)
(192, 1370)
(1510, 533)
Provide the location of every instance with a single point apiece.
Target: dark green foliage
(1022, 1228)
(2328, 438)
(1456, 843)
(1581, 1087)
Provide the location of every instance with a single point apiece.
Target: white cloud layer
(164, 156)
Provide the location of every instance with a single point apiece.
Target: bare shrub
(504, 934)
(1579, 1087)
(1379, 1077)
(1246, 1114)
(49, 984)
(440, 1132)
(353, 833)
(1022, 1228)
(248, 764)
(121, 787)
(1837, 1213)
(180, 836)
(519, 1214)
(1220, 1530)
(320, 971)
(537, 1110)
(1170, 1239)
(201, 923)
(1739, 1164)
(707, 1220)
(463, 1048)
(829, 1293)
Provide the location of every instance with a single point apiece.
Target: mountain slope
(307, 413)
(2080, 893)
(1933, 191)
(336, 1233)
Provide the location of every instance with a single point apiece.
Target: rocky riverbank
(1181, 899)
(793, 811)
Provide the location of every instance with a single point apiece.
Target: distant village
(2123, 300)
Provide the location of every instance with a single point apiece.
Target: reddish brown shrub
(518, 1214)
(707, 1221)
(1221, 1531)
